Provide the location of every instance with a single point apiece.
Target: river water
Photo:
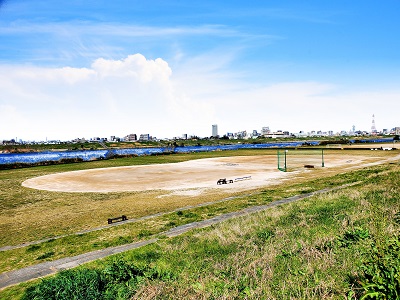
(87, 155)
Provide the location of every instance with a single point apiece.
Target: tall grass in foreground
(339, 245)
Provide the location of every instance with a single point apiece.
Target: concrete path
(51, 267)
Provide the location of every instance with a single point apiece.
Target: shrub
(70, 284)
(380, 271)
(33, 248)
(118, 280)
(45, 255)
(351, 237)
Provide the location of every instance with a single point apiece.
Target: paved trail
(51, 267)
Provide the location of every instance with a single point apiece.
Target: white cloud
(10, 117)
(138, 95)
(238, 104)
(135, 66)
(113, 97)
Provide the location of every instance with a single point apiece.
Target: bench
(222, 181)
(117, 219)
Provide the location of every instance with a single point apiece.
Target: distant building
(9, 142)
(214, 130)
(265, 131)
(230, 135)
(278, 134)
(240, 135)
(397, 130)
(144, 137)
(131, 137)
(300, 134)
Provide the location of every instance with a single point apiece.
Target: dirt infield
(184, 177)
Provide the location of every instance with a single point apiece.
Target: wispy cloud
(76, 40)
(121, 29)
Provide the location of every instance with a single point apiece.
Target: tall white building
(215, 130)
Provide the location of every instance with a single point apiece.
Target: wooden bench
(222, 181)
(117, 219)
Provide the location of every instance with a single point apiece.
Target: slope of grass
(25, 213)
(323, 247)
(313, 249)
(127, 233)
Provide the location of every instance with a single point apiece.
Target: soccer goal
(295, 159)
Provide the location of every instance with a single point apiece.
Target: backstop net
(295, 159)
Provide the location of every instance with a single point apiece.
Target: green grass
(128, 233)
(25, 213)
(311, 249)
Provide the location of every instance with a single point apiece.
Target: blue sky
(98, 68)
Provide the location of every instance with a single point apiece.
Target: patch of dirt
(184, 178)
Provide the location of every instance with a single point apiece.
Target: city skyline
(167, 68)
(242, 134)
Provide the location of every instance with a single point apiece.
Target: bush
(70, 284)
(351, 237)
(118, 280)
(380, 271)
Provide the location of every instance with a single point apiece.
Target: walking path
(51, 267)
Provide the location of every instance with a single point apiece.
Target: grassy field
(28, 214)
(298, 251)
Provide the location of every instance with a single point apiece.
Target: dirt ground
(190, 177)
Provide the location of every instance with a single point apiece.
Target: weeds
(379, 276)
(33, 248)
(118, 280)
(352, 236)
(45, 255)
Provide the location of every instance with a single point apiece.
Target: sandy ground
(190, 177)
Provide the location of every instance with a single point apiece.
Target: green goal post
(295, 159)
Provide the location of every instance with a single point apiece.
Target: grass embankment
(28, 214)
(45, 214)
(312, 249)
